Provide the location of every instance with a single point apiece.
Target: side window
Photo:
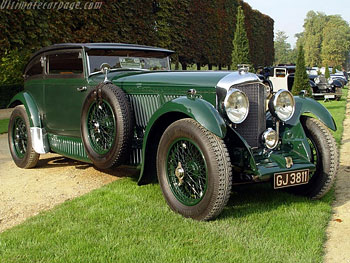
(280, 73)
(65, 63)
(34, 68)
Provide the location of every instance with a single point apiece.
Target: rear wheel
(194, 170)
(324, 154)
(20, 141)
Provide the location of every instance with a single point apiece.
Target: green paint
(71, 147)
(29, 103)
(307, 105)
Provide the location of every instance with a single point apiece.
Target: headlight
(330, 80)
(282, 105)
(268, 90)
(317, 80)
(236, 105)
(270, 138)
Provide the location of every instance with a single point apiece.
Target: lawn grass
(126, 223)
(337, 109)
(4, 125)
(123, 222)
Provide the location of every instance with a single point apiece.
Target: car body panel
(26, 99)
(307, 105)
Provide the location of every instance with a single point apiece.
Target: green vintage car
(199, 132)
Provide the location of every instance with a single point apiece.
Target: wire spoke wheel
(20, 140)
(187, 171)
(101, 126)
(20, 137)
(194, 170)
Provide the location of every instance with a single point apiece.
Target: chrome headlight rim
(273, 104)
(317, 80)
(226, 107)
(265, 139)
(268, 90)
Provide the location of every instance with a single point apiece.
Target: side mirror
(105, 67)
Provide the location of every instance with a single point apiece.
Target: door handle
(82, 89)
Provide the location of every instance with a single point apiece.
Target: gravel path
(338, 232)
(26, 192)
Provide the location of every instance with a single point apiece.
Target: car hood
(188, 79)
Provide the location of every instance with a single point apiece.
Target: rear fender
(32, 110)
(40, 142)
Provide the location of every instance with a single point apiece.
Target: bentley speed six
(198, 132)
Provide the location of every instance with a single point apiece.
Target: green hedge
(7, 92)
(201, 32)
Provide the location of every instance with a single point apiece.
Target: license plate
(287, 179)
(329, 96)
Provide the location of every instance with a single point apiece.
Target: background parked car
(282, 77)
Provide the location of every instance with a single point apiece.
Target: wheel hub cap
(180, 173)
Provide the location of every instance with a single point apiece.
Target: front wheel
(324, 154)
(194, 170)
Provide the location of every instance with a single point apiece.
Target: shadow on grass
(259, 198)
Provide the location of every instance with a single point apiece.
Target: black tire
(324, 155)
(20, 140)
(215, 157)
(116, 109)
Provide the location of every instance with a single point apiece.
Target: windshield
(128, 59)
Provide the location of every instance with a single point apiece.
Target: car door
(64, 92)
(279, 79)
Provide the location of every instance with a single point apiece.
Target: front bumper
(269, 164)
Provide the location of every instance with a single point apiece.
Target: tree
(240, 53)
(336, 41)
(301, 80)
(326, 72)
(282, 48)
(326, 39)
(313, 37)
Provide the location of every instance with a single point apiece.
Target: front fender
(307, 105)
(195, 108)
(32, 110)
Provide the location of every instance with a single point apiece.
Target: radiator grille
(255, 123)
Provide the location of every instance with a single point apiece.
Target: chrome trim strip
(236, 78)
(40, 142)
